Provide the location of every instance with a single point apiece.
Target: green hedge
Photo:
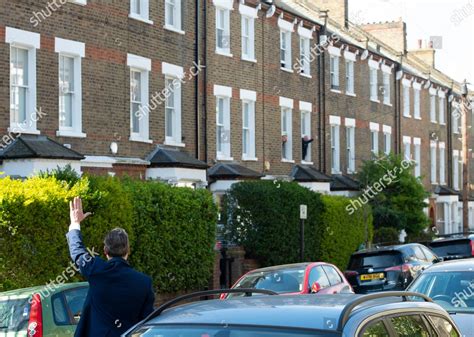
(168, 241)
(263, 217)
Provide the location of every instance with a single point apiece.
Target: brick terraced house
(206, 93)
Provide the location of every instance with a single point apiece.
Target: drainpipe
(322, 99)
(204, 82)
(449, 139)
(196, 79)
(398, 120)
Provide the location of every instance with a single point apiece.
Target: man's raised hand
(76, 213)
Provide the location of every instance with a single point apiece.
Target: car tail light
(350, 273)
(404, 268)
(35, 323)
(472, 248)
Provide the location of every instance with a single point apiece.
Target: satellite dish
(450, 98)
(271, 11)
(399, 75)
(364, 55)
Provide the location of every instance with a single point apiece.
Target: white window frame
(387, 134)
(433, 106)
(335, 123)
(387, 77)
(248, 14)
(306, 109)
(374, 138)
(442, 163)
(455, 117)
(28, 41)
(225, 94)
(456, 171)
(373, 82)
(433, 161)
(417, 156)
(306, 35)
(143, 66)
(350, 77)
(286, 107)
(442, 107)
(406, 84)
(176, 15)
(76, 51)
(334, 73)
(248, 98)
(407, 148)
(173, 86)
(144, 13)
(350, 145)
(223, 7)
(417, 103)
(286, 30)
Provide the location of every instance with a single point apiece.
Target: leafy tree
(397, 197)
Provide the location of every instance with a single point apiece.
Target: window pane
(412, 326)
(170, 12)
(333, 275)
(444, 326)
(317, 275)
(135, 86)
(75, 301)
(136, 117)
(59, 311)
(169, 122)
(65, 110)
(376, 330)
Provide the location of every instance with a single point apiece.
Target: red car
(294, 279)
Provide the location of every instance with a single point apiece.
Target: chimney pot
(420, 43)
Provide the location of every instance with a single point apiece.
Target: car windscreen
(375, 260)
(226, 331)
(288, 280)
(451, 248)
(453, 290)
(14, 315)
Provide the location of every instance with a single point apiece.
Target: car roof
(452, 265)
(321, 312)
(24, 292)
(391, 248)
(301, 265)
(453, 238)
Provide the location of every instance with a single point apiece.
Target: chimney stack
(338, 9)
(393, 33)
(425, 53)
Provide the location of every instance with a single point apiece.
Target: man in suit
(118, 296)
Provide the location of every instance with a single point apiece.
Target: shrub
(263, 217)
(386, 235)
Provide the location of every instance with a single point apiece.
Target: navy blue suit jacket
(118, 296)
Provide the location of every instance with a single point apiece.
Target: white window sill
(249, 158)
(406, 116)
(351, 94)
(224, 158)
(174, 29)
(68, 133)
(351, 172)
(287, 161)
(304, 162)
(137, 138)
(444, 124)
(79, 2)
(19, 130)
(171, 143)
(335, 172)
(419, 118)
(306, 75)
(288, 70)
(248, 59)
(387, 103)
(224, 53)
(374, 100)
(139, 18)
(336, 91)
(434, 122)
(434, 183)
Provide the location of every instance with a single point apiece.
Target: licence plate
(368, 277)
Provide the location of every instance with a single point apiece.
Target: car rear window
(452, 248)
(14, 315)
(228, 331)
(375, 260)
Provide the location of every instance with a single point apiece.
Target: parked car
(387, 268)
(42, 311)
(298, 278)
(387, 314)
(451, 285)
(454, 246)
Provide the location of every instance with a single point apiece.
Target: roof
(342, 182)
(291, 311)
(304, 173)
(445, 190)
(384, 248)
(167, 157)
(232, 171)
(43, 288)
(452, 265)
(37, 146)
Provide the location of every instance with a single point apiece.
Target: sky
(453, 20)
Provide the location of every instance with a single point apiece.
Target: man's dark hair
(116, 243)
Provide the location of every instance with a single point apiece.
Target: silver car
(387, 314)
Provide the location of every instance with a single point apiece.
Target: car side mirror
(315, 288)
(438, 260)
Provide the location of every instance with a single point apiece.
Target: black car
(387, 268)
(454, 246)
